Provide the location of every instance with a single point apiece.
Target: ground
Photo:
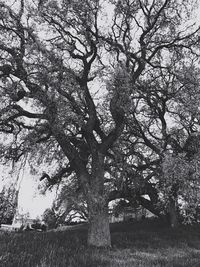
(143, 244)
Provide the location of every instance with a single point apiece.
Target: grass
(143, 244)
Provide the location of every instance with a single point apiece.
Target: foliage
(39, 226)
(181, 182)
(68, 205)
(164, 121)
(50, 218)
(70, 202)
(8, 205)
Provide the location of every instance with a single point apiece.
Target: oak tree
(68, 72)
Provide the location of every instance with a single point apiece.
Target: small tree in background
(50, 218)
(180, 182)
(8, 205)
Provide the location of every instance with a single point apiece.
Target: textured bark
(99, 231)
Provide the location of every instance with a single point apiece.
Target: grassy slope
(143, 244)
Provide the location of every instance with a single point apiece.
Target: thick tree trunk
(97, 203)
(173, 214)
(99, 231)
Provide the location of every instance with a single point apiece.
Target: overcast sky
(30, 199)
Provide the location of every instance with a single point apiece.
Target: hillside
(133, 244)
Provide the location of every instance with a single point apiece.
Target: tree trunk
(99, 231)
(173, 214)
(97, 203)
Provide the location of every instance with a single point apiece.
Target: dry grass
(133, 244)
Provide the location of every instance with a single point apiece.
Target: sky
(30, 199)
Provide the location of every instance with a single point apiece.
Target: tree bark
(97, 202)
(173, 214)
(99, 230)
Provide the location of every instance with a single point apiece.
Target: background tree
(162, 118)
(8, 205)
(50, 218)
(70, 203)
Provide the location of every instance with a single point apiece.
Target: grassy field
(143, 244)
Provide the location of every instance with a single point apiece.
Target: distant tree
(50, 219)
(70, 202)
(8, 205)
(38, 224)
(180, 183)
(68, 205)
